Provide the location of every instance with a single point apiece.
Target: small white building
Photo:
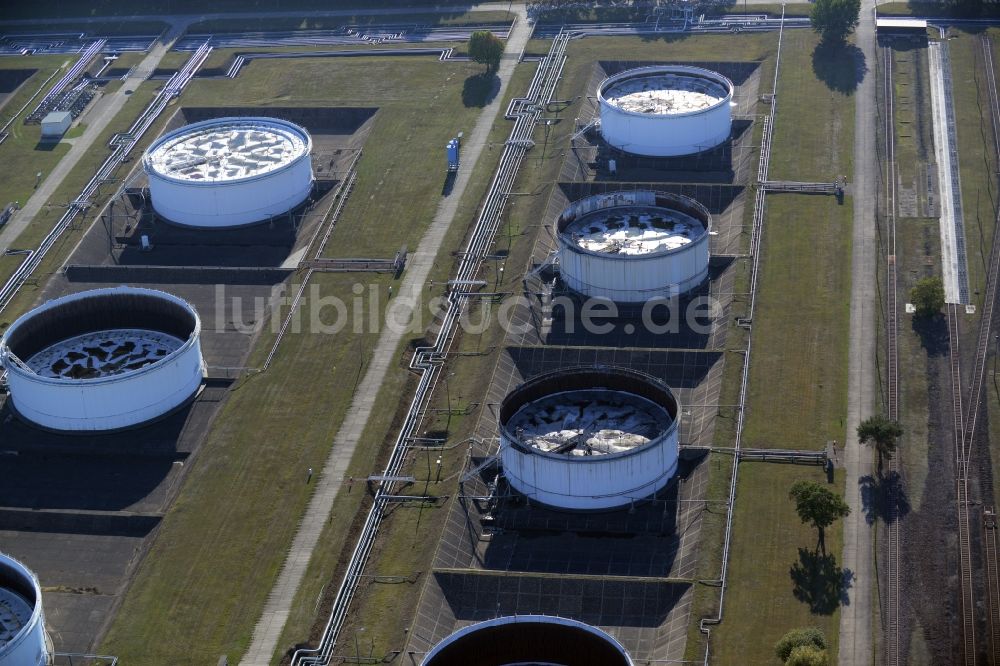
(55, 124)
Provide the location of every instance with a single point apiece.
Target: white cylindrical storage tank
(103, 359)
(528, 639)
(665, 110)
(631, 247)
(22, 621)
(589, 439)
(229, 172)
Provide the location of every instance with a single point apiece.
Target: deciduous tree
(835, 19)
(882, 435)
(486, 49)
(807, 655)
(818, 505)
(811, 636)
(927, 296)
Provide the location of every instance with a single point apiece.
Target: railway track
(992, 578)
(965, 411)
(966, 424)
(891, 588)
(986, 315)
(962, 494)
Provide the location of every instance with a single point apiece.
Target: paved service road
(856, 616)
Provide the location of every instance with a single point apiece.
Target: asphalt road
(856, 644)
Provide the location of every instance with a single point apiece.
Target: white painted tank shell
(229, 172)
(113, 401)
(598, 482)
(482, 635)
(633, 278)
(666, 134)
(26, 646)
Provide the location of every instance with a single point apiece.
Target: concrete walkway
(97, 119)
(419, 264)
(856, 646)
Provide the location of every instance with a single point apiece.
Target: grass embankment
(22, 154)
(778, 580)
(104, 28)
(238, 509)
(127, 8)
(798, 381)
(67, 191)
(736, 8)
(705, 602)
(798, 378)
(217, 26)
(409, 537)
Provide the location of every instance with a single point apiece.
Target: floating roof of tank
(665, 223)
(589, 422)
(635, 230)
(666, 90)
(588, 412)
(96, 334)
(227, 149)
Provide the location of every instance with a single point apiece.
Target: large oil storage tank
(22, 621)
(103, 359)
(592, 438)
(528, 639)
(665, 110)
(229, 172)
(634, 246)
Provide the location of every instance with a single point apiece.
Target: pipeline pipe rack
(755, 236)
(172, 89)
(53, 96)
(428, 360)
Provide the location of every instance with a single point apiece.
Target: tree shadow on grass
(933, 332)
(480, 89)
(819, 582)
(884, 498)
(841, 66)
(666, 37)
